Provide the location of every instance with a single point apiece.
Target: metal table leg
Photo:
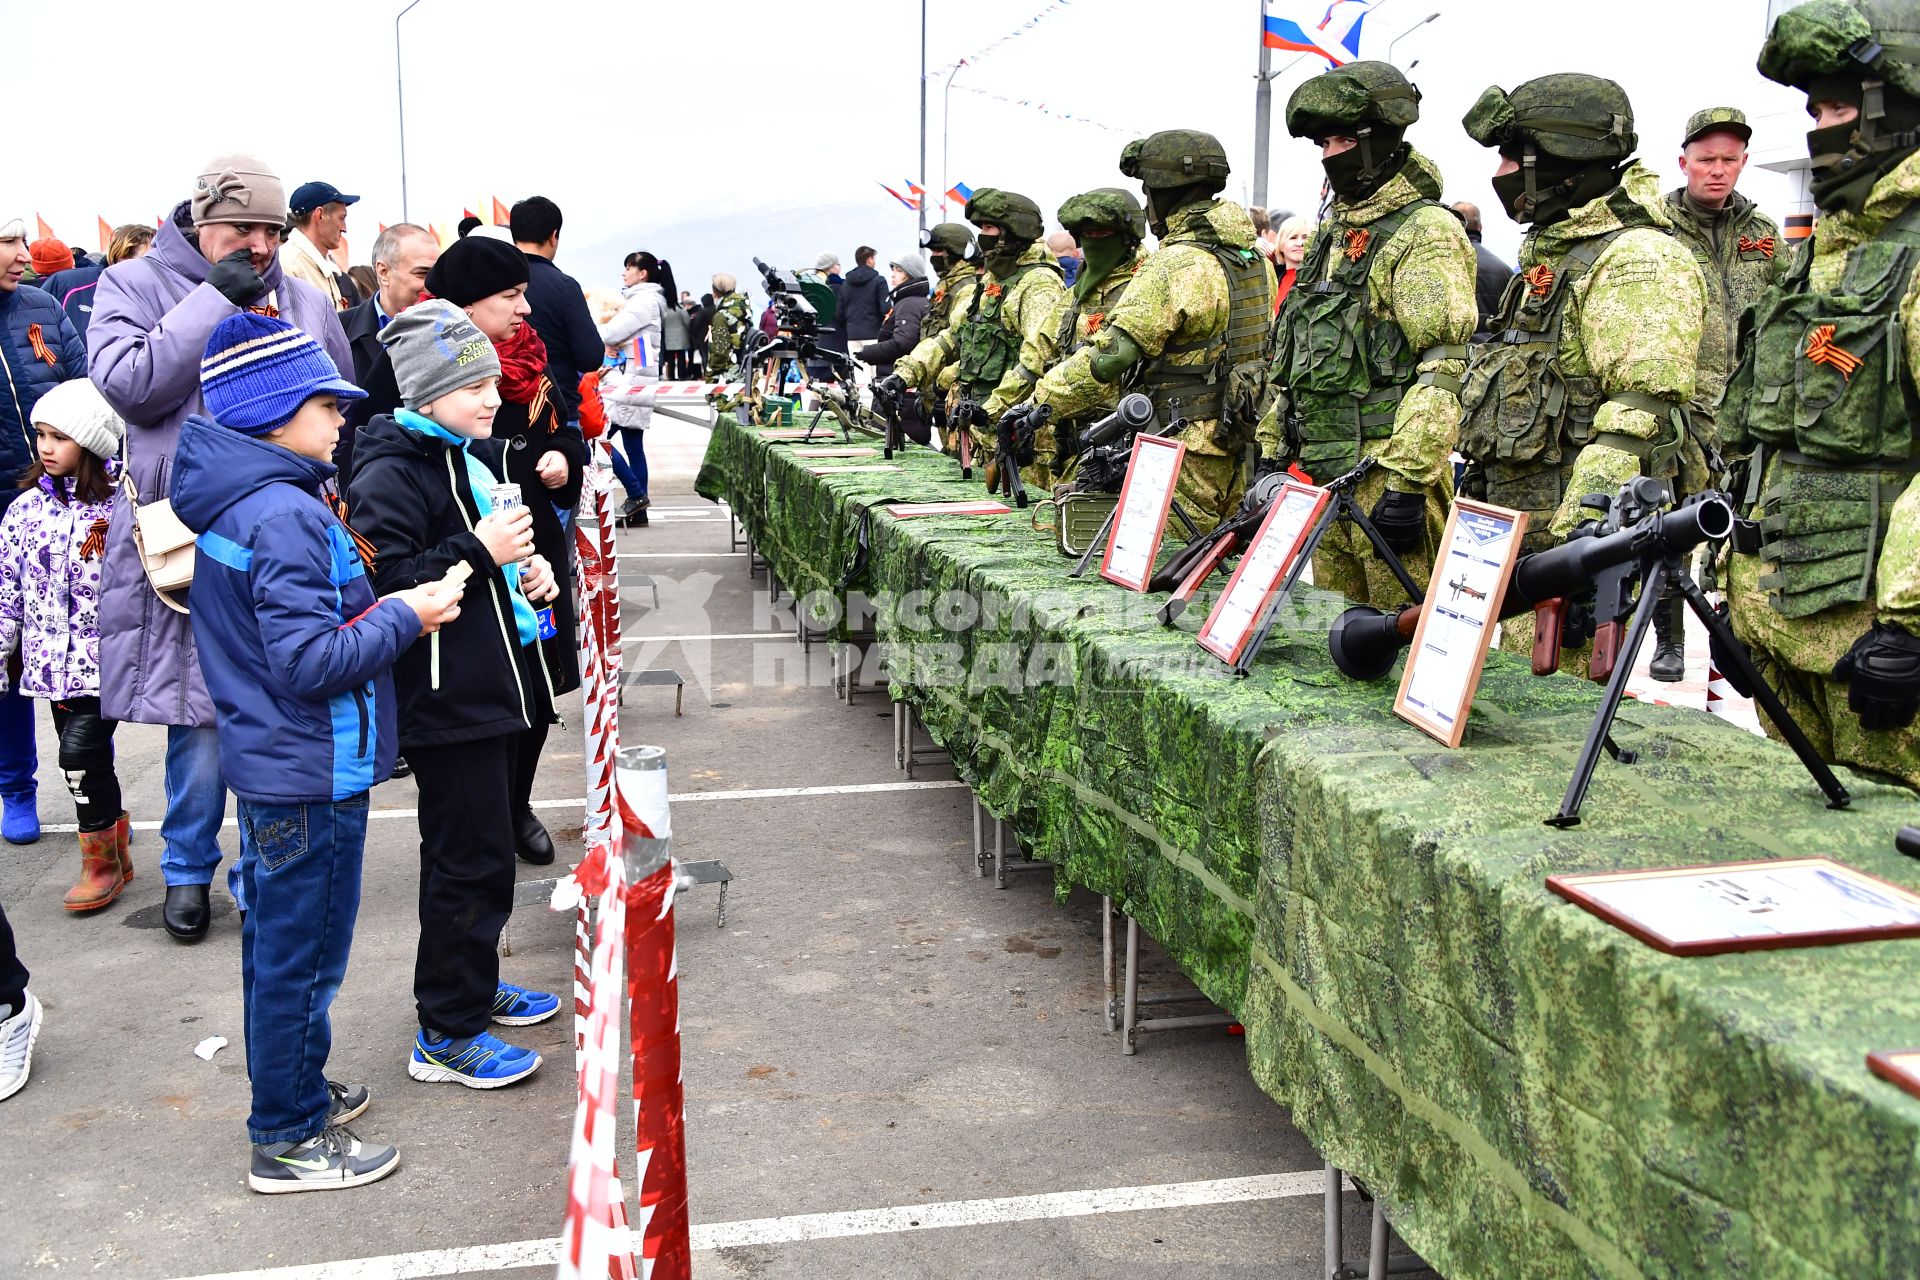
(1106, 961)
(1131, 1008)
(979, 839)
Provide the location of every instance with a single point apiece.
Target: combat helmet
(1866, 53)
(949, 238)
(1568, 131)
(1176, 167)
(1371, 102)
(1012, 212)
(1108, 208)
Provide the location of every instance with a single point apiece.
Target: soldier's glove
(1723, 660)
(236, 279)
(1266, 467)
(892, 387)
(1882, 675)
(1018, 425)
(1401, 519)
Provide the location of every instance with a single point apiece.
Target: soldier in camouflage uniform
(1110, 227)
(1003, 340)
(1824, 576)
(1740, 253)
(1191, 330)
(951, 253)
(1372, 341)
(1585, 381)
(732, 321)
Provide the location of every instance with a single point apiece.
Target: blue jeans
(631, 470)
(18, 758)
(196, 806)
(300, 864)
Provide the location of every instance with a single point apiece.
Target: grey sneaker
(17, 1034)
(331, 1162)
(346, 1101)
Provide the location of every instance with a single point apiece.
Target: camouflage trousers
(1209, 488)
(1819, 705)
(1347, 562)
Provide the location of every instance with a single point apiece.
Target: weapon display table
(1531, 1091)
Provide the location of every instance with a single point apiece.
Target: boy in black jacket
(470, 698)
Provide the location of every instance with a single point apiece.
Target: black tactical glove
(1401, 519)
(235, 277)
(1723, 660)
(1266, 467)
(1882, 674)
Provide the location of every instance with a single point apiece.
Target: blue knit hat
(259, 370)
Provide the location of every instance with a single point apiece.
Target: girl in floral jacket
(51, 543)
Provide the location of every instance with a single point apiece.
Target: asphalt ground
(875, 1026)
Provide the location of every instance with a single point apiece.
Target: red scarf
(523, 361)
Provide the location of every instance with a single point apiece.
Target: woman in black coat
(899, 334)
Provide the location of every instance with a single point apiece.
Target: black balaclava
(1364, 168)
(1849, 158)
(1163, 201)
(1559, 186)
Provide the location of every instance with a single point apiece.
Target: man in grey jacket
(151, 321)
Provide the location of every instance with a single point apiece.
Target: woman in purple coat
(152, 317)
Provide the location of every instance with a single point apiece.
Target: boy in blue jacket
(296, 652)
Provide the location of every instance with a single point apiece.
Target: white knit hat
(78, 411)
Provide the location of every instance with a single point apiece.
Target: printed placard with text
(1477, 555)
(1263, 566)
(1140, 521)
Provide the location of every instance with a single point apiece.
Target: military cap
(1009, 210)
(1718, 120)
(1106, 207)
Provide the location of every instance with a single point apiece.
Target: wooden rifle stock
(1606, 651)
(1548, 616)
(1183, 594)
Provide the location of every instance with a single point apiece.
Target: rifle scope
(1364, 641)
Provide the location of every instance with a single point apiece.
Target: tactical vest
(940, 307)
(988, 349)
(1824, 394)
(1345, 372)
(1228, 385)
(1524, 419)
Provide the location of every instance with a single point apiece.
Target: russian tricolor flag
(1332, 33)
(960, 191)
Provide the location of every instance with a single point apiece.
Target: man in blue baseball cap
(319, 227)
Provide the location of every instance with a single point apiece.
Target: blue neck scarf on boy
(479, 478)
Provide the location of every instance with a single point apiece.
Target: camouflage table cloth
(1532, 1092)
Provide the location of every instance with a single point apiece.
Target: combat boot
(122, 837)
(100, 879)
(1669, 663)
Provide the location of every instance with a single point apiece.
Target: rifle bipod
(1666, 569)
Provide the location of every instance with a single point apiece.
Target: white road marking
(683, 797)
(679, 555)
(731, 635)
(823, 1226)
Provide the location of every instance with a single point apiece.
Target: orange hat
(49, 256)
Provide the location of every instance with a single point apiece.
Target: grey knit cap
(913, 264)
(240, 189)
(435, 349)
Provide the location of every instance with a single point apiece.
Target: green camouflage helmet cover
(1176, 158)
(949, 237)
(1012, 212)
(1108, 208)
(1570, 115)
(1347, 97)
(1877, 39)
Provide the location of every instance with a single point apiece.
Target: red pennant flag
(46, 232)
(106, 233)
(500, 215)
(468, 213)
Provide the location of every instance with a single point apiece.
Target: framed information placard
(908, 510)
(1140, 521)
(1746, 906)
(1250, 591)
(1477, 555)
(835, 452)
(784, 433)
(1897, 1066)
(842, 471)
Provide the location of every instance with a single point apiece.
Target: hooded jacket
(38, 349)
(50, 549)
(296, 650)
(412, 502)
(863, 304)
(152, 316)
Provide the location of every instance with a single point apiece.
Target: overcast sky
(646, 119)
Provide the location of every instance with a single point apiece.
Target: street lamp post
(400, 96)
(1409, 31)
(922, 202)
(946, 115)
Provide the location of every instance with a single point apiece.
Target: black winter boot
(1669, 662)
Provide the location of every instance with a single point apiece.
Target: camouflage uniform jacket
(1178, 296)
(1740, 254)
(933, 358)
(1421, 281)
(1815, 643)
(1632, 324)
(1080, 321)
(1031, 309)
(732, 319)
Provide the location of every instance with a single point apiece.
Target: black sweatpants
(13, 974)
(470, 793)
(86, 758)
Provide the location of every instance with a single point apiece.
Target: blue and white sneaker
(482, 1062)
(518, 1007)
